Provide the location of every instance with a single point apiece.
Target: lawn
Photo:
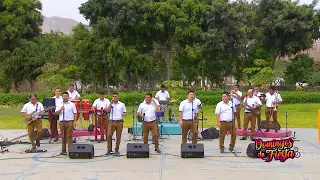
(299, 116)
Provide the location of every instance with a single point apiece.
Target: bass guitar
(32, 116)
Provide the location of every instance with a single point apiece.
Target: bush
(135, 98)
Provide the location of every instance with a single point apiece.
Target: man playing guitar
(32, 111)
(261, 96)
(251, 105)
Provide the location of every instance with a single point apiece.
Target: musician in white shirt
(162, 95)
(73, 94)
(98, 104)
(54, 128)
(250, 103)
(256, 92)
(147, 111)
(67, 116)
(224, 114)
(236, 100)
(272, 99)
(117, 111)
(33, 107)
(188, 118)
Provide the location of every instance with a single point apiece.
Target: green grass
(299, 116)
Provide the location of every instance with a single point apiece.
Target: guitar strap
(37, 107)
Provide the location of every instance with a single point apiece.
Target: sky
(69, 8)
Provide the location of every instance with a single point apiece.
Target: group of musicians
(226, 111)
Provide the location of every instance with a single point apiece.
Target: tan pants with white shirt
(227, 126)
(153, 127)
(191, 125)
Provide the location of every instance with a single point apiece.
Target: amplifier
(137, 150)
(192, 150)
(81, 151)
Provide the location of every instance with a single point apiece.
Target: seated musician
(33, 107)
(162, 95)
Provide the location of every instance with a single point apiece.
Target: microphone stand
(233, 124)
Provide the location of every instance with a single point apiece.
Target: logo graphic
(279, 150)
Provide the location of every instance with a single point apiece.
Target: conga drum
(86, 106)
(77, 103)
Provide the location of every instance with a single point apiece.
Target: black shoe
(158, 151)
(243, 138)
(108, 152)
(74, 140)
(231, 149)
(251, 138)
(259, 129)
(249, 128)
(239, 127)
(38, 143)
(63, 153)
(55, 139)
(116, 153)
(33, 148)
(221, 150)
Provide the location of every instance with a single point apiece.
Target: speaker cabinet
(210, 133)
(251, 150)
(192, 150)
(81, 151)
(137, 150)
(271, 125)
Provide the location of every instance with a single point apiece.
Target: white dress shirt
(162, 96)
(117, 110)
(58, 100)
(149, 111)
(30, 108)
(251, 101)
(69, 111)
(186, 108)
(98, 103)
(235, 100)
(225, 111)
(73, 95)
(271, 98)
(156, 100)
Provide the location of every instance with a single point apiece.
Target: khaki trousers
(227, 126)
(269, 112)
(191, 125)
(153, 127)
(237, 115)
(248, 117)
(37, 124)
(114, 126)
(66, 128)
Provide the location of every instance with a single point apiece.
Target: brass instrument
(275, 101)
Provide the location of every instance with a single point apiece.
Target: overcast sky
(69, 8)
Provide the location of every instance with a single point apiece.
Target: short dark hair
(163, 86)
(32, 95)
(236, 85)
(115, 93)
(226, 93)
(71, 85)
(57, 88)
(102, 92)
(65, 93)
(149, 94)
(272, 87)
(191, 91)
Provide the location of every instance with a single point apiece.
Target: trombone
(275, 102)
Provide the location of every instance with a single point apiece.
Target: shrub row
(134, 98)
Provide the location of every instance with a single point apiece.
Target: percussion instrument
(163, 102)
(77, 103)
(160, 114)
(86, 106)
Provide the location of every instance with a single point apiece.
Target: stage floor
(17, 165)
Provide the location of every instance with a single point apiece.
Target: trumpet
(275, 101)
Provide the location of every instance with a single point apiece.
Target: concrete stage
(168, 166)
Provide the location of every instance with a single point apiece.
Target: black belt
(149, 122)
(187, 119)
(66, 121)
(117, 120)
(247, 112)
(237, 105)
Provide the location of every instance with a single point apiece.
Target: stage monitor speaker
(251, 150)
(210, 133)
(271, 125)
(81, 151)
(192, 150)
(137, 150)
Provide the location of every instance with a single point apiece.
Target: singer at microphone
(188, 116)
(103, 103)
(147, 111)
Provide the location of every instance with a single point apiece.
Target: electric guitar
(255, 112)
(32, 116)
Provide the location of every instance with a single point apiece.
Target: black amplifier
(192, 150)
(137, 150)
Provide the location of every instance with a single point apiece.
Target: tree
(300, 69)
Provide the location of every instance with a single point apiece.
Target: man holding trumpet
(272, 99)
